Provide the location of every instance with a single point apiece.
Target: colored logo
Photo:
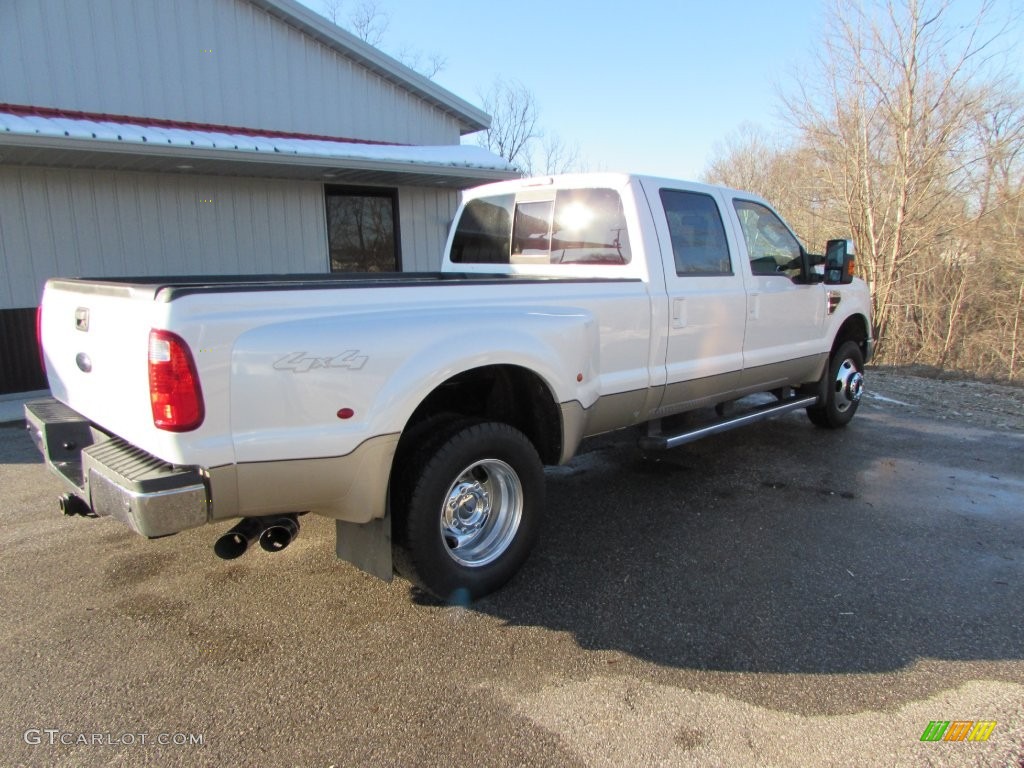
(958, 730)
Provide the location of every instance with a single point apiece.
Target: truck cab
(737, 305)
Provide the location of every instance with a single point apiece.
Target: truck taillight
(174, 391)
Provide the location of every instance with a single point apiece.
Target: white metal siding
(102, 223)
(424, 217)
(210, 61)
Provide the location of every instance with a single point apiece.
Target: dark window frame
(344, 190)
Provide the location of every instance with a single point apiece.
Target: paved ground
(778, 596)
(12, 407)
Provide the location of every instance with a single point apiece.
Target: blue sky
(648, 86)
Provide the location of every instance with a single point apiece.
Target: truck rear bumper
(114, 478)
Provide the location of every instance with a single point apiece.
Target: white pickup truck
(418, 410)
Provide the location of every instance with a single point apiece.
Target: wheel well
(854, 328)
(503, 393)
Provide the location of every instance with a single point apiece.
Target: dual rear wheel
(467, 504)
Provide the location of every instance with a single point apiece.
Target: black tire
(466, 509)
(840, 388)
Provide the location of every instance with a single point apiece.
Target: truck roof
(614, 180)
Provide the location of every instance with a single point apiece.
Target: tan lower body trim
(626, 409)
(353, 488)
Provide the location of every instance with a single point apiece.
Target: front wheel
(471, 504)
(843, 386)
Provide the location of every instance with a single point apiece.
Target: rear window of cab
(573, 226)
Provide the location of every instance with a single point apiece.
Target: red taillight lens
(39, 337)
(174, 391)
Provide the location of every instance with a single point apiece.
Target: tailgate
(95, 339)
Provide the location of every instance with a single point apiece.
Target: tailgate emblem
(82, 319)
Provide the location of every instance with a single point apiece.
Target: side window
(484, 231)
(698, 235)
(770, 245)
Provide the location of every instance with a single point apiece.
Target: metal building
(144, 137)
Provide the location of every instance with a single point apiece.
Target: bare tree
(909, 136)
(997, 198)
(745, 159)
(513, 128)
(332, 10)
(369, 22)
(897, 91)
(785, 172)
(558, 156)
(427, 64)
(515, 133)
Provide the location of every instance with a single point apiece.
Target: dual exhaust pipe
(273, 533)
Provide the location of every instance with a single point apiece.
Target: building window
(362, 229)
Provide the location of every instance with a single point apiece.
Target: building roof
(471, 118)
(50, 137)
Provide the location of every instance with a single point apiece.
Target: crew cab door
(705, 293)
(785, 311)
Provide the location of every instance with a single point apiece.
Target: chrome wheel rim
(481, 513)
(849, 386)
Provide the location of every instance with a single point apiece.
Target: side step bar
(760, 413)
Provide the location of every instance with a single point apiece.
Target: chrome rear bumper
(114, 478)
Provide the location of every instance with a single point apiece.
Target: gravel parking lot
(779, 595)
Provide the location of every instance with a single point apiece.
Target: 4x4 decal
(299, 362)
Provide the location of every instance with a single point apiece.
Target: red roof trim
(23, 110)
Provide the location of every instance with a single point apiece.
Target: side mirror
(839, 262)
